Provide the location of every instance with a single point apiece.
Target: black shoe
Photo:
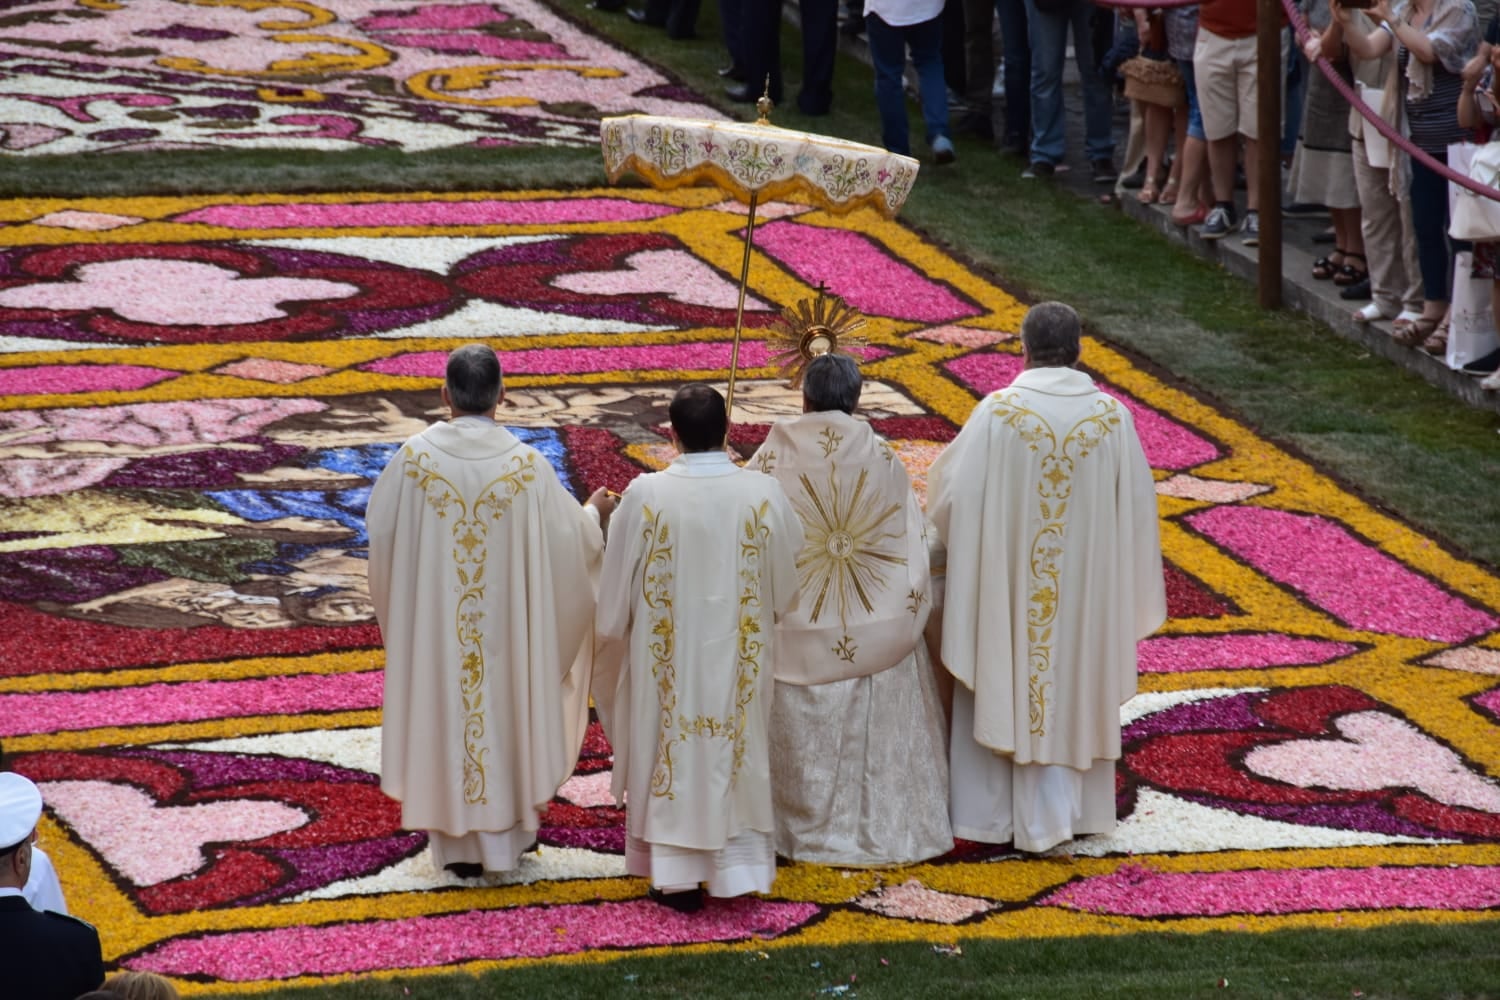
(1357, 292)
(1304, 210)
(978, 124)
(732, 72)
(608, 6)
(1135, 180)
(641, 17)
(1103, 171)
(690, 901)
(1039, 168)
(465, 869)
(1485, 365)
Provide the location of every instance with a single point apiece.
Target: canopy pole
(739, 310)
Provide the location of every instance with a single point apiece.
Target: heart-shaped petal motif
(148, 843)
(676, 274)
(1377, 751)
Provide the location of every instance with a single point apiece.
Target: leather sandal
(1326, 267)
(1168, 194)
(1437, 341)
(1349, 274)
(1413, 332)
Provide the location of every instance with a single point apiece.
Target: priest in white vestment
(701, 562)
(1048, 511)
(859, 767)
(482, 570)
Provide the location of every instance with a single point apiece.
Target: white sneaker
(1219, 224)
(1252, 229)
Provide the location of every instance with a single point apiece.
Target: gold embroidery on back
(1054, 488)
(470, 530)
(754, 534)
(656, 590)
(847, 549)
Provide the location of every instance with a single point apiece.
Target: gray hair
(473, 378)
(831, 382)
(1050, 334)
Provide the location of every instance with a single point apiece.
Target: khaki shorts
(1225, 71)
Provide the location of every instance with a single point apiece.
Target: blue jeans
(1049, 47)
(1429, 216)
(1016, 49)
(888, 55)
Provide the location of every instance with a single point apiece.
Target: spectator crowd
(1188, 73)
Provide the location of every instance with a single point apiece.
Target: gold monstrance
(813, 327)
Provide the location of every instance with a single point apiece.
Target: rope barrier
(1303, 32)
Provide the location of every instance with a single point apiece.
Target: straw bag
(1153, 81)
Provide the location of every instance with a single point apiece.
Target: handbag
(1377, 146)
(1471, 320)
(1153, 81)
(1474, 216)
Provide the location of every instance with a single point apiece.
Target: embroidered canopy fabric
(745, 159)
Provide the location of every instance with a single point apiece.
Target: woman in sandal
(1433, 39)
(1322, 168)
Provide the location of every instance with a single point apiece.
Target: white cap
(20, 808)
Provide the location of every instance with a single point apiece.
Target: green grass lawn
(1419, 961)
(1402, 444)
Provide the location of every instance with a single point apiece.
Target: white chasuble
(1047, 508)
(858, 734)
(481, 573)
(863, 572)
(701, 561)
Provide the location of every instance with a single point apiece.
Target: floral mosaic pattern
(183, 475)
(332, 74)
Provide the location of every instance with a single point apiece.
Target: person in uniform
(44, 955)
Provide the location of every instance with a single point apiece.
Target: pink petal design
(1490, 702)
(155, 704)
(386, 214)
(1471, 659)
(40, 477)
(680, 275)
(60, 379)
(479, 935)
(1350, 579)
(266, 370)
(869, 278)
(701, 356)
(963, 336)
(1184, 653)
(911, 900)
(1186, 487)
(1168, 444)
(588, 790)
(202, 294)
(89, 222)
(1378, 751)
(1133, 891)
(148, 843)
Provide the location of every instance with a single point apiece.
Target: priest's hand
(604, 502)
